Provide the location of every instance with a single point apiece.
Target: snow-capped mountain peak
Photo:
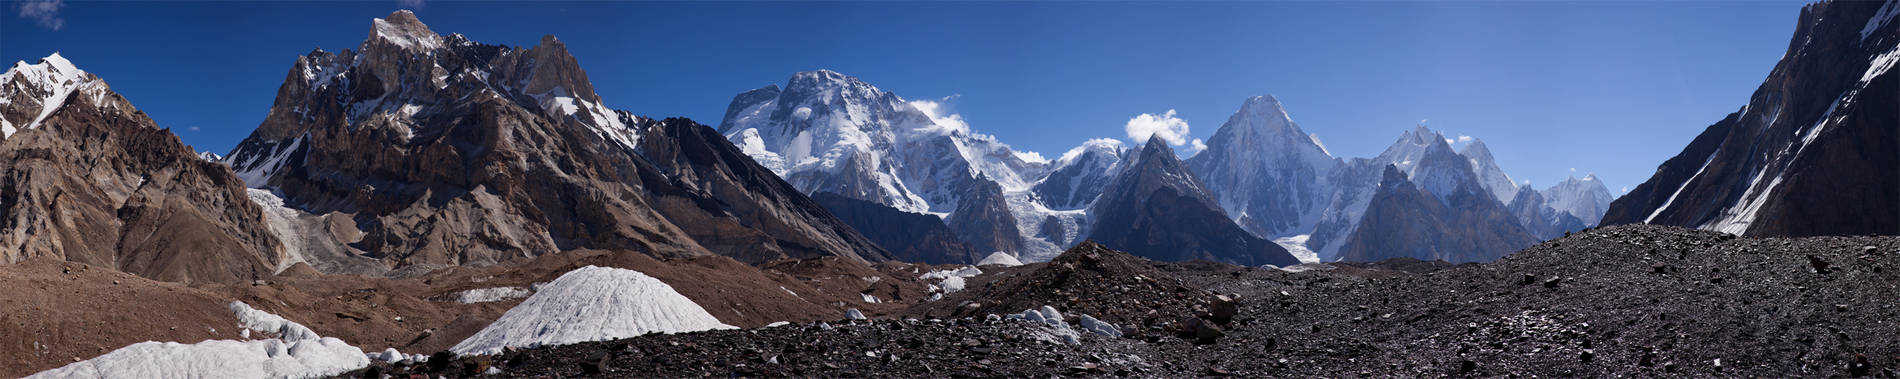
(1077, 177)
(40, 88)
(1586, 199)
(1490, 175)
(1265, 171)
(403, 29)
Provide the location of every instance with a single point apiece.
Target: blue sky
(1607, 87)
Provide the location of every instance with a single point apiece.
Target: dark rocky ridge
(735, 207)
(1405, 221)
(1811, 153)
(910, 237)
(1089, 278)
(1156, 208)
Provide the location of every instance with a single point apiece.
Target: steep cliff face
(86, 177)
(1156, 208)
(1811, 153)
(445, 151)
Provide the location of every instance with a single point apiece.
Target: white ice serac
(591, 304)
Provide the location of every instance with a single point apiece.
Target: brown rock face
(449, 152)
(88, 178)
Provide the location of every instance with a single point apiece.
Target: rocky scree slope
(1090, 278)
(1621, 301)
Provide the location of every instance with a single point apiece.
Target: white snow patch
(591, 304)
(1058, 332)
(1297, 246)
(278, 218)
(1304, 267)
(253, 319)
(951, 281)
(483, 295)
(1685, 185)
(295, 353)
(1880, 65)
(257, 169)
(1000, 258)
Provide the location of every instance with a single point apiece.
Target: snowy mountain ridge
(828, 132)
(1586, 199)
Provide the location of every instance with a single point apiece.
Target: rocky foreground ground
(1642, 301)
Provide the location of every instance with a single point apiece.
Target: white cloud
(43, 12)
(1195, 147)
(1573, 170)
(1626, 189)
(1464, 138)
(411, 4)
(1031, 156)
(1165, 126)
(942, 114)
(194, 128)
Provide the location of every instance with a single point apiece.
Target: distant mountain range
(831, 133)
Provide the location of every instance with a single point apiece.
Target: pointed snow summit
(1490, 175)
(1586, 199)
(1267, 173)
